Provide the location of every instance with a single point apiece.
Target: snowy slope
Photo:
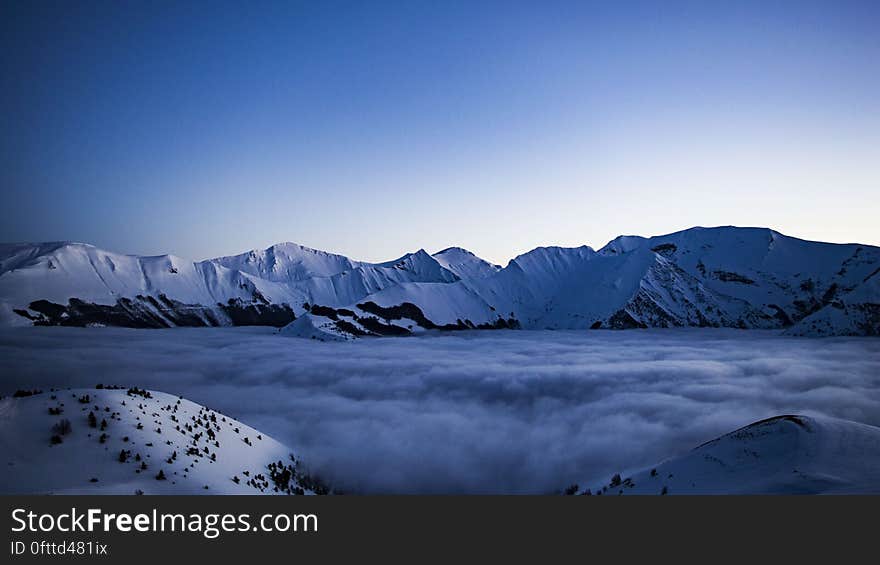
(287, 263)
(781, 455)
(547, 282)
(561, 288)
(440, 303)
(348, 287)
(198, 450)
(785, 277)
(465, 264)
(856, 312)
(400, 310)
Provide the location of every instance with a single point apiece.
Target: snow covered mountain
(784, 277)
(781, 455)
(134, 441)
(720, 277)
(287, 263)
(856, 312)
(78, 284)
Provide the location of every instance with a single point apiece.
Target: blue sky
(372, 129)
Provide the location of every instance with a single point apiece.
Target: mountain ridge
(717, 277)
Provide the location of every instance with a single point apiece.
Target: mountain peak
(455, 250)
(465, 264)
(287, 262)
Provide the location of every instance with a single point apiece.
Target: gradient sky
(372, 129)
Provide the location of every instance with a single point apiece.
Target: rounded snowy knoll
(133, 441)
(786, 454)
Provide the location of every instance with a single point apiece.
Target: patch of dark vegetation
(403, 310)
(312, 483)
(252, 314)
(128, 313)
(596, 325)
(797, 420)
(20, 393)
(289, 479)
(870, 325)
(806, 307)
(874, 272)
(829, 294)
(50, 309)
(26, 314)
(375, 326)
(325, 311)
(348, 327)
(646, 311)
(62, 427)
(499, 324)
(780, 315)
(747, 431)
(809, 305)
(178, 313)
(145, 311)
(408, 310)
(728, 276)
(135, 391)
(665, 249)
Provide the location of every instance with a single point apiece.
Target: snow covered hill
(781, 455)
(132, 441)
(718, 277)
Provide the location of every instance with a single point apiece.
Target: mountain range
(705, 277)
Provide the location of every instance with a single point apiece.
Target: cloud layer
(477, 412)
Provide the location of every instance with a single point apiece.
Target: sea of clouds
(472, 412)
